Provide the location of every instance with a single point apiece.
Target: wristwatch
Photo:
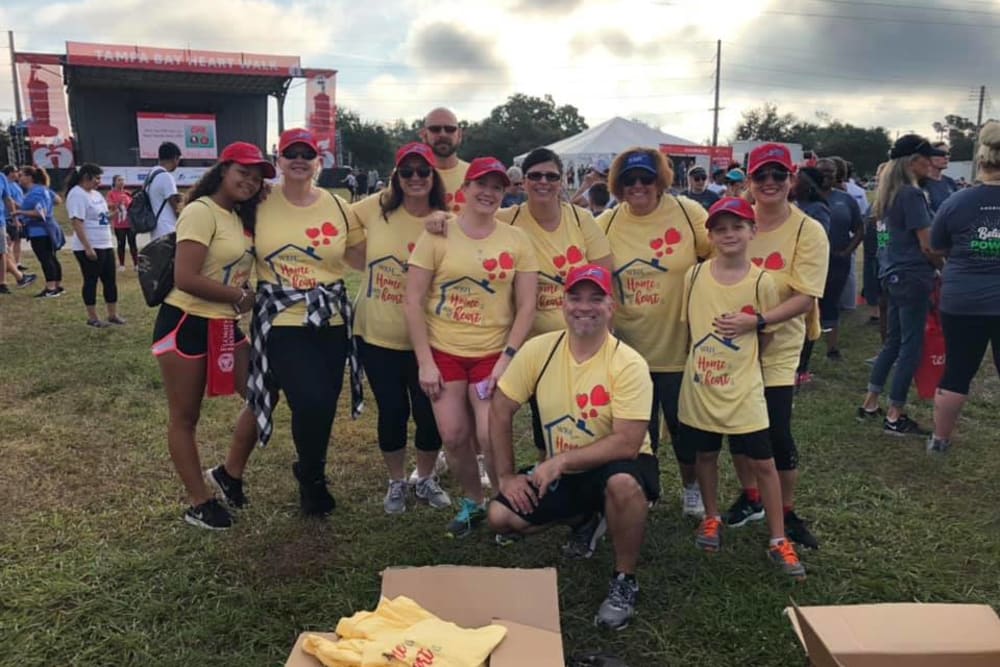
(761, 322)
(510, 351)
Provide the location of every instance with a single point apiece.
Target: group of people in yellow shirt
(465, 312)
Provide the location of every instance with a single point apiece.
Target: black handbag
(156, 269)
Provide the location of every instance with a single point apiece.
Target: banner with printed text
(45, 110)
(321, 112)
(193, 133)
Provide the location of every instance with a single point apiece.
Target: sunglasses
(550, 176)
(299, 154)
(438, 129)
(408, 172)
(698, 178)
(777, 175)
(630, 178)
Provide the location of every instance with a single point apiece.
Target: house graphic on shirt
(727, 342)
(464, 284)
(232, 277)
(620, 281)
(564, 423)
(294, 265)
(391, 263)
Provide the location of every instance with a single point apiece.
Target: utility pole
(718, 71)
(13, 75)
(979, 127)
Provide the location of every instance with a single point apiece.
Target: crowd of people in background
(606, 298)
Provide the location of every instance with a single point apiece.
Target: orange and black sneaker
(708, 538)
(783, 555)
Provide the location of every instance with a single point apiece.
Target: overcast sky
(903, 64)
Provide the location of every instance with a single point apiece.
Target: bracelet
(244, 293)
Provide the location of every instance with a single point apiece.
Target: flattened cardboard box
(526, 602)
(898, 635)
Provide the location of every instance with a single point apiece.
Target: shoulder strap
(798, 235)
(548, 359)
(614, 214)
(216, 225)
(694, 276)
(150, 177)
(694, 237)
(343, 214)
(517, 212)
(756, 292)
(576, 214)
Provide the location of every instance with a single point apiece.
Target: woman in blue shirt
(40, 227)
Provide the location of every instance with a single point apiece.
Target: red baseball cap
(592, 272)
(297, 135)
(486, 165)
(419, 149)
(241, 152)
(733, 205)
(766, 153)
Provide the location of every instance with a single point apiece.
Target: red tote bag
(931, 367)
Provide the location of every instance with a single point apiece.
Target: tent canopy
(607, 140)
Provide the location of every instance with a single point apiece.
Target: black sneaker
(867, 415)
(903, 426)
(796, 531)
(314, 497)
(743, 512)
(4, 289)
(230, 487)
(584, 538)
(210, 515)
(27, 279)
(834, 356)
(22, 268)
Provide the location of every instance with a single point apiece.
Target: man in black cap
(696, 190)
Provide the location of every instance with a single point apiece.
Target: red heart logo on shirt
(573, 254)
(672, 236)
(774, 262)
(748, 309)
(410, 247)
(489, 264)
(329, 229)
(656, 244)
(460, 197)
(312, 232)
(581, 400)
(759, 261)
(559, 261)
(599, 395)
(506, 261)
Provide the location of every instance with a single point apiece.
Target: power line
(831, 75)
(880, 19)
(890, 5)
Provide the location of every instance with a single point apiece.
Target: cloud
(617, 43)
(446, 47)
(550, 7)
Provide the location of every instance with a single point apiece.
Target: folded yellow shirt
(396, 614)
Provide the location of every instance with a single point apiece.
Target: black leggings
(103, 269)
(309, 369)
(965, 339)
(666, 395)
(126, 235)
(46, 254)
(395, 381)
(779, 414)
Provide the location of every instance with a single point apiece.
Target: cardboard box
(526, 602)
(898, 635)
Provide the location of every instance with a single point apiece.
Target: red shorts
(454, 368)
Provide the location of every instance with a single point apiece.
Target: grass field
(97, 568)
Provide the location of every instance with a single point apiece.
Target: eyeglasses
(298, 154)
(408, 172)
(630, 178)
(777, 175)
(438, 129)
(550, 176)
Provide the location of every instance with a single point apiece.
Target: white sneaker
(484, 478)
(121, 269)
(440, 469)
(691, 503)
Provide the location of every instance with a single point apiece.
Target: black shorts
(14, 232)
(183, 333)
(756, 445)
(582, 493)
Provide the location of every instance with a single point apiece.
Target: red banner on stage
(321, 112)
(45, 108)
(720, 156)
(180, 60)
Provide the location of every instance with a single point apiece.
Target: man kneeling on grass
(593, 394)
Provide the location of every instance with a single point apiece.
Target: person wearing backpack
(162, 190)
(196, 340)
(39, 225)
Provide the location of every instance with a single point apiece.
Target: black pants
(965, 339)
(309, 368)
(103, 269)
(46, 254)
(836, 277)
(395, 381)
(123, 236)
(666, 394)
(779, 414)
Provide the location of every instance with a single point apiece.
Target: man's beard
(444, 149)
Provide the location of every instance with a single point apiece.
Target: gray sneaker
(618, 608)
(395, 497)
(584, 538)
(936, 445)
(431, 493)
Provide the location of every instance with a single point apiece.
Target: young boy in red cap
(722, 393)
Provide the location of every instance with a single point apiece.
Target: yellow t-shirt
(796, 260)
(453, 179)
(651, 254)
(578, 401)
(378, 315)
(470, 305)
(723, 388)
(300, 247)
(229, 259)
(576, 241)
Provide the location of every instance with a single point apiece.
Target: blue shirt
(845, 216)
(14, 191)
(967, 226)
(938, 191)
(818, 211)
(38, 196)
(706, 197)
(908, 214)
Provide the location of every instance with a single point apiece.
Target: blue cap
(639, 161)
(735, 175)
